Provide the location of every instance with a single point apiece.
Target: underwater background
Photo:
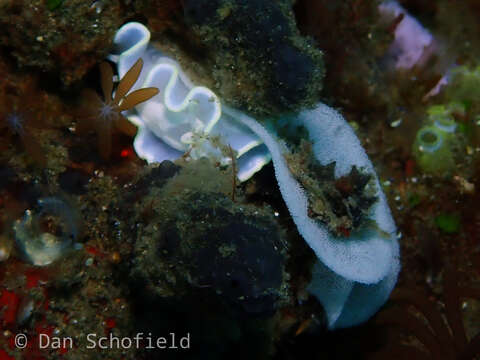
(213, 179)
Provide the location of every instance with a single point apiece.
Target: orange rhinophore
(106, 116)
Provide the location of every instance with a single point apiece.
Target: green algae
(54, 4)
(448, 223)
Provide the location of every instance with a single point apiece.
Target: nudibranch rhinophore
(355, 272)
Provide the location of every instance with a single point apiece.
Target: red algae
(4, 355)
(35, 276)
(9, 302)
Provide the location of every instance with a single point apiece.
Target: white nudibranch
(182, 117)
(354, 274)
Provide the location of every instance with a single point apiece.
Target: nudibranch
(355, 272)
(182, 117)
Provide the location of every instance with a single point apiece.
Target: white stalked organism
(182, 118)
(47, 233)
(355, 274)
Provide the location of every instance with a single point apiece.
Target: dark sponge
(257, 43)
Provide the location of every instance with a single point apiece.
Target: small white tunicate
(396, 123)
(47, 232)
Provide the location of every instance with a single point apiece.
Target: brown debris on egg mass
(341, 204)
